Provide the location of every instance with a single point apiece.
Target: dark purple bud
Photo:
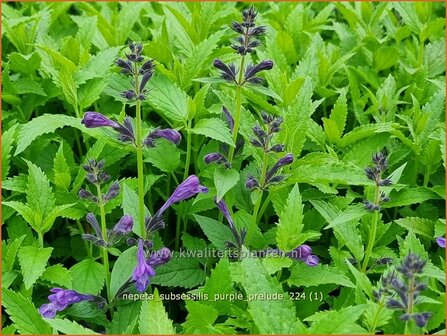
(187, 189)
(126, 67)
(168, 134)
(251, 183)
(222, 206)
(285, 160)
(257, 31)
(371, 173)
(95, 119)
(124, 225)
(377, 295)
(159, 257)
(61, 299)
(275, 125)
(370, 206)
(277, 148)
(103, 177)
(129, 94)
(92, 178)
(91, 219)
(411, 265)
(260, 133)
(237, 27)
(385, 261)
(381, 161)
(421, 318)
(154, 223)
(256, 143)
(228, 117)
(113, 191)
(384, 183)
(131, 241)
(252, 70)
(143, 271)
(405, 317)
(394, 304)
(93, 239)
(147, 66)
(301, 252)
(216, 158)
(227, 72)
(312, 260)
(441, 242)
(85, 194)
(276, 179)
(249, 16)
(126, 131)
(147, 75)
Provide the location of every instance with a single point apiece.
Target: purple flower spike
(95, 119)
(143, 271)
(222, 206)
(187, 189)
(160, 257)
(285, 160)
(168, 134)
(61, 299)
(312, 260)
(124, 225)
(440, 241)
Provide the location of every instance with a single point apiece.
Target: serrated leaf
(214, 128)
(265, 91)
(122, 269)
(26, 64)
(23, 313)
(58, 275)
(69, 327)
(153, 319)
(354, 212)
(10, 252)
(33, 261)
(218, 233)
(7, 143)
(291, 222)
(125, 318)
(39, 194)
(340, 112)
(62, 177)
(88, 276)
(421, 226)
(179, 272)
(337, 322)
(224, 180)
(274, 264)
(200, 319)
(270, 316)
(165, 156)
(303, 275)
(130, 207)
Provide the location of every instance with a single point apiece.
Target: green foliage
(88, 276)
(153, 319)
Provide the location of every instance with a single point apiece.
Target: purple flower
(222, 206)
(301, 252)
(61, 299)
(251, 182)
(217, 158)
(124, 225)
(228, 117)
(187, 189)
(312, 260)
(285, 160)
(252, 70)
(91, 219)
(143, 271)
(160, 257)
(168, 134)
(113, 191)
(95, 119)
(440, 241)
(228, 72)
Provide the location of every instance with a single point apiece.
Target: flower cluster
(245, 44)
(402, 292)
(122, 228)
(131, 67)
(62, 298)
(264, 138)
(97, 176)
(374, 173)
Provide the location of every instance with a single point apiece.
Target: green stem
(254, 219)
(188, 150)
(177, 232)
(427, 175)
(372, 231)
(139, 152)
(237, 115)
(40, 234)
(105, 253)
(372, 329)
(407, 330)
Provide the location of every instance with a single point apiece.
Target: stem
(105, 253)
(40, 234)
(188, 150)
(177, 232)
(81, 229)
(265, 205)
(427, 175)
(372, 330)
(372, 232)
(237, 115)
(139, 151)
(410, 304)
(254, 219)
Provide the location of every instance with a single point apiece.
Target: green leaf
(62, 177)
(274, 264)
(130, 207)
(26, 64)
(257, 281)
(214, 128)
(408, 196)
(7, 143)
(125, 318)
(303, 275)
(354, 212)
(33, 261)
(153, 319)
(218, 233)
(337, 322)
(200, 319)
(23, 313)
(210, 80)
(167, 98)
(224, 180)
(69, 327)
(26, 212)
(421, 226)
(265, 91)
(9, 253)
(39, 194)
(385, 57)
(122, 269)
(57, 274)
(331, 129)
(165, 156)
(179, 272)
(340, 112)
(288, 234)
(88, 276)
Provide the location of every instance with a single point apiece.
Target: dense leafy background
(350, 79)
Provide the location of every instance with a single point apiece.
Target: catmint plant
(246, 43)
(374, 173)
(140, 72)
(401, 288)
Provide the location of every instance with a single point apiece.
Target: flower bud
(95, 119)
